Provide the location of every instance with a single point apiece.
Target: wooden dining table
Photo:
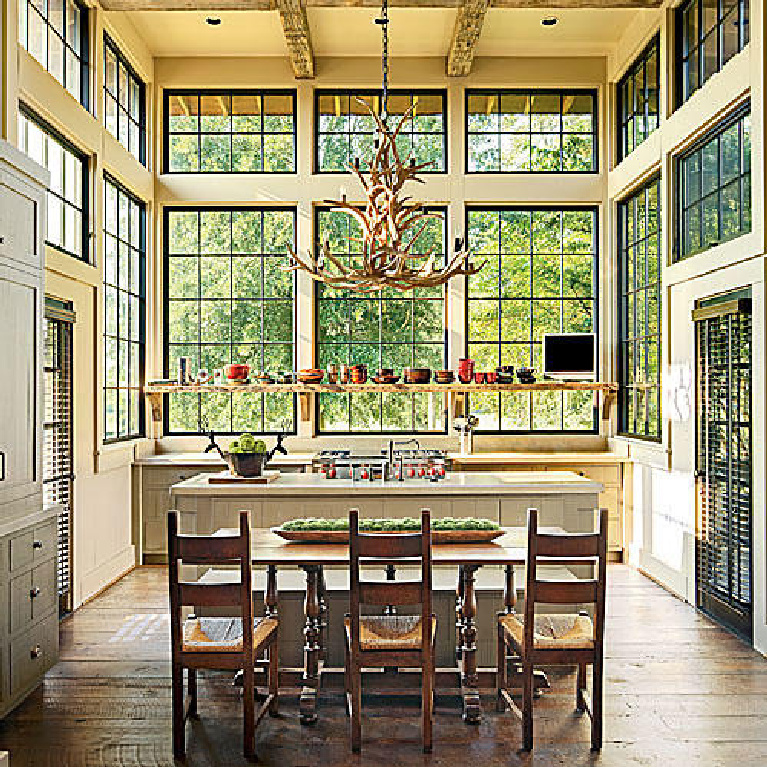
(274, 552)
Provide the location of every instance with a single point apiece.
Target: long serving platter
(342, 536)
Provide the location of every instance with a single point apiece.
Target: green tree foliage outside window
(638, 96)
(540, 277)
(346, 130)
(640, 313)
(715, 194)
(230, 131)
(536, 131)
(228, 300)
(390, 329)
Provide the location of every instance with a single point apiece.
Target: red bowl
(237, 371)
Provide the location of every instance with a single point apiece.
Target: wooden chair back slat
(390, 593)
(385, 545)
(210, 594)
(204, 549)
(575, 545)
(566, 592)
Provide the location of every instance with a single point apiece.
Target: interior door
(724, 539)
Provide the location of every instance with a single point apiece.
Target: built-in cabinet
(28, 591)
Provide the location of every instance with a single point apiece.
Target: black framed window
(230, 131)
(124, 101)
(714, 180)
(124, 312)
(344, 128)
(540, 277)
(55, 32)
(67, 197)
(531, 131)
(709, 34)
(386, 329)
(228, 300)
(639, 100)
(640, 298)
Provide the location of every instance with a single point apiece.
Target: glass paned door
(724, 536)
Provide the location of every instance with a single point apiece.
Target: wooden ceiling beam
(295, 25)
(468, 26)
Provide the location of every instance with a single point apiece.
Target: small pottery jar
(332, 373)
(479, 377)
(343, 374)
(491, 376)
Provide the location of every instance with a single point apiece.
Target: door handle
(2, 465)
(35, 592)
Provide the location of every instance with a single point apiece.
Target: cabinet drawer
(33, 545)
(33, 653)
(164, 478)
(19, 590)
(43, 592)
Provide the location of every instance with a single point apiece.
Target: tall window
(391, 329)
(56, 34)
(639, 344)
(540, 277)
(540, 131)
(345, 129)
(124, 312)
(230, 131)
(227, 300)
(715, 187)
(124, 102)
(710, 32)
(638, 100)
(67, 199)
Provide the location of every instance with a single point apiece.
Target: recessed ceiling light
(214, 21)
(550, 21)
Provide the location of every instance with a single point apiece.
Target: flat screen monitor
(569, 355)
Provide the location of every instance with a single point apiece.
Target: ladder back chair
(231, 643)
(389, 640)
(558, 639)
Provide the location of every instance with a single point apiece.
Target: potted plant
(247, 456)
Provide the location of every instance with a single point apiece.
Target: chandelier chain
(384, 21)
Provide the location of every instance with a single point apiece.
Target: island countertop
(455, 483)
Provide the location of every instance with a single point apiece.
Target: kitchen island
(564, 499)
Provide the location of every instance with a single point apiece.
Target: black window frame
(640, 61)
(167, 211)
(123, 64)
(82, 57)
(366, 93)
(140, 433)
(437, 208)
(199, 93)
(63, 141)
(591, 92)
(714, 134)
(684, 51)
(594, 210)
(624, 339)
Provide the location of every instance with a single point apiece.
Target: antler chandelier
(390, 222)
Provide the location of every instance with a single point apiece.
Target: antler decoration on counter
(390, 224)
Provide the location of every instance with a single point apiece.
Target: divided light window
(345, 129)
(388, 329)
(531, 131)
(639, 342)
(124, 312)
(67, 198)
(230, 131)
(55, 32)
(540, 277)
(710, 33)
(638, 100)
(124, 102)
(228, 300)
(715, 187)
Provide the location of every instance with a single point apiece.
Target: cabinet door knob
(35, 592)
(36, 652)
(37, 544)
(2, 239)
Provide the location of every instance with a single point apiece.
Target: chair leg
(177, 690)
(427, 706)
(191, 683)
(527, 705)
(249, 710)
(580, 686)
(355, 681)
(347, 679)
(274, 677)
(596, 704)
(501, 670)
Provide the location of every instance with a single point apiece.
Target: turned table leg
(472, 708)
(312, 646)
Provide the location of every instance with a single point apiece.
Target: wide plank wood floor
(679, 691)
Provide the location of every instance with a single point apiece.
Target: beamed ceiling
(455, 29)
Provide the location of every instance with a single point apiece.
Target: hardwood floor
(678, 690)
